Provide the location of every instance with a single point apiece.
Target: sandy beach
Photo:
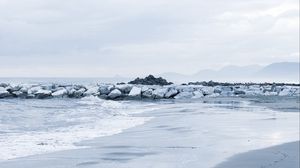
(186, 134)
(286, 155)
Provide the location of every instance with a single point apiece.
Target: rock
(13, 88)
(135, 92)
(254, 90)
(184, 95)
(285, 92)
(297, 92)
(150, 80)
(147, 93)
(185, 88)
(60, 93)
(225, 91)
(79, 93)
(41, 94)
(197, 94)
(4, 85)
(207, 90)
(34, 89)
(218, 89)
(20, 94)
(171, 93)
(104, 90)
(239, 92)
(270, 93)
(74, 93)
(92, 91)
(48, 86)
(114, 94)
(159, 93)
(124, 88)
(213, 95)
(4, 93)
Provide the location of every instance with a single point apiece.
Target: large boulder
(104, 89)
(34, 89)
(94, 91)
(213, 95)
(150, 80)
(159, 93)
(19, 94)
(184, 95)
(116, 93)
(208, 90)
(135, 92)
(147, 93)
(254, 90)
(286, 92)
(41, 94)
(60, 93)
(4, 93)
(171, 93)
(270, 93)
(197, 94)
(124, 88)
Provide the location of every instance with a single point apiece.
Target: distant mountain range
(276, 72)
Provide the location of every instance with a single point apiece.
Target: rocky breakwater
(160, 89)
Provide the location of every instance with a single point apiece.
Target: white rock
(40, 94)
(213, 95)
(197, 94)
(135, 92)
(92, 91)
(171, 93)
(104, 89)
(297, 92)
(218, 89)
(125, 88)
(267, 93)
(3, 92)
(34, 89)
(285, 92)
(145, 88)
(60, 93)
(159, 93)
(207, 90)
(20, 94)
(184, 95)
(115, 94)
(147, 93)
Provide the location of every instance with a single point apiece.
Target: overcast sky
(86, 38)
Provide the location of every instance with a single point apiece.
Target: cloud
(132, 37)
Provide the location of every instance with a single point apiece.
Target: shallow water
(194, 132)
(37, 126)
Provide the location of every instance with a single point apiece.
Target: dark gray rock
(150, 80)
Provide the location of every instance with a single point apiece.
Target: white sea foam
(98, 118)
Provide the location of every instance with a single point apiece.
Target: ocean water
(31, 126)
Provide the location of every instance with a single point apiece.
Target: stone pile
(136, 91)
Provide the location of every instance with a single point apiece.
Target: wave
(84, 119)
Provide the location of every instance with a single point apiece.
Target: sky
(102, 38)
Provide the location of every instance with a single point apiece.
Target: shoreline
(173, 138)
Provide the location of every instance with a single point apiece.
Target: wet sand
(280, 156)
